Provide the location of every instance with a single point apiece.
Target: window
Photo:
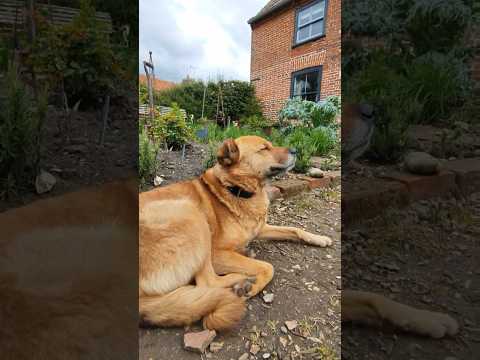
(306, 84)
(309, 22)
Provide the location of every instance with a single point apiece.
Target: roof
(158, 85)
(271, 7)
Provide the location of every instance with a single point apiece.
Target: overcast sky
(202, 38)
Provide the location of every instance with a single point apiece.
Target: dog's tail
(220, 308)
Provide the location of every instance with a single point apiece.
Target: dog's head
(255, 156)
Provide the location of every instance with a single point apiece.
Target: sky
(205, 39)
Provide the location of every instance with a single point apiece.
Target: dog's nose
(292, 151)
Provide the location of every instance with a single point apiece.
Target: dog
(193, 234)
(68, 272)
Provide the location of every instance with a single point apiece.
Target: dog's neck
(238, 191)
(231, 195)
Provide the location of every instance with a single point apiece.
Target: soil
(305, 286)
(425, 255)
(79, 159)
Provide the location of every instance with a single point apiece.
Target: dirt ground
(80, 160)
(305, 285)
(425, 255)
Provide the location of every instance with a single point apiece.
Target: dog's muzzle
(281, 169)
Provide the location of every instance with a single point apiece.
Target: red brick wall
(273, 59)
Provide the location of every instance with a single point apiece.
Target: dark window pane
(310, 97)
(312, 81)
(299, 85)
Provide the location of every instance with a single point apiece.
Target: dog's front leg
(374, 309)
(271, 232)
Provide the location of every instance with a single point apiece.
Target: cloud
(201, 38)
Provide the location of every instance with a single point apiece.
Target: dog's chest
(236, 235)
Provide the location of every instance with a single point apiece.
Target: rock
(315, 173)
(296, 267)
(421, 163)
(291, 324)
(284, 329)
(266, 355)
(216, 346)
(283, 341)
(254, 349)
(243, 357)
(268, 298)
(44, 182)
(198, 341)
(157, 181)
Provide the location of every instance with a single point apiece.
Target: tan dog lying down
(192, 235)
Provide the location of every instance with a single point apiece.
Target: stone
(421, 163)
(291, 324)
(216, 346)
(283, 341)
(157, 181)
(273, 193)
(254, 349)
(284, 329)
(266, 355)
(198, 341)
(315, 172)
(268, 298)
(44, 182)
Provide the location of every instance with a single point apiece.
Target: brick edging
(398, 189)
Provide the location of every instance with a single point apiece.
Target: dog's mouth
(280, 169)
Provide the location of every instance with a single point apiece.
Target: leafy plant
(238, 98)
(254, 122)
(147, 152)
(172, 128)
(310, 113)
(77, 58)
(21, 122)
(211, 158)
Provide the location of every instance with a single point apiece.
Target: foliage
(238, 98)
(78, 57)
(310, 113)
(437, 25)
(211, 158)
(21, 122)
(142, 94)
(172, 128)
(147, 153)
(254, 122)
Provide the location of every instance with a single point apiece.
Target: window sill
(307, 41)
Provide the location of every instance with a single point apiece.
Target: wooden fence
(14, 13)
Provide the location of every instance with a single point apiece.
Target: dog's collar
(237, 191)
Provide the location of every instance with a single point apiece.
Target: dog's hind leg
(373, 309)
(208, 277)
(225, 262)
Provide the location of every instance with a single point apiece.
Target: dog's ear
(228, 154)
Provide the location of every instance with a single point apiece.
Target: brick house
(296, 51)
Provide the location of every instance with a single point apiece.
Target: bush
(238, 98)
(311, 114)
(21, 122)
(78, 58)
(147, 152)
(255, 122)
(172, 128)
(211, 158)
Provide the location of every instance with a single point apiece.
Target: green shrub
(211, 158)
(238, 98)
(302, 142)
(440, 81)
(147, 152)
(78, 58)
(254, 122)
(21, 122)
(310, 113)
(172, 128)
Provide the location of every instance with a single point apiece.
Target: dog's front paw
(428, 323)
(243, 288)
(319, 240)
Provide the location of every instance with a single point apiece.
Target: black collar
(239, 192)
